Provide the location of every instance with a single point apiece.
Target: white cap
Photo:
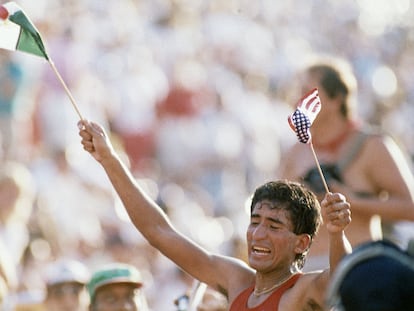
(65, 271)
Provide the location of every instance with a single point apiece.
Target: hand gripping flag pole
(302, 119)
(17, 33)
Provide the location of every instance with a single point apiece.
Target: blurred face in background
(9, 194)
(119, 297)
(330, 106)
(67, 297)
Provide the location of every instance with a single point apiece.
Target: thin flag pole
(319, 168)
(66, 88)
(301, 121)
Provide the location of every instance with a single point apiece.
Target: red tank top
(270, 304)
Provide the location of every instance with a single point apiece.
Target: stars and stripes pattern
(304, 115)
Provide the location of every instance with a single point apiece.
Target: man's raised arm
(151, 220)
(336, 214)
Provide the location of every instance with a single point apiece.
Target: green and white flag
(17, 32)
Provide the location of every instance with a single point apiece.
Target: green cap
(112, 274)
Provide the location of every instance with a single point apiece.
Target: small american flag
(307, 110)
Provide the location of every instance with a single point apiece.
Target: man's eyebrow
(274, 220)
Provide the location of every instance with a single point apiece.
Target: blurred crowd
(196, 96)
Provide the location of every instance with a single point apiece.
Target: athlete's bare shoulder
(307, 294)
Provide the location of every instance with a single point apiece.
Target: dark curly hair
(301, 204)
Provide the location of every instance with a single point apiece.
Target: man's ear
(303, 243)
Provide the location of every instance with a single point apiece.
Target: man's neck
(266, 283)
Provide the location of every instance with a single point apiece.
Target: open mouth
(260, 250)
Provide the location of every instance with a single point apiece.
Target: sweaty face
(271, 242)
(118, 297)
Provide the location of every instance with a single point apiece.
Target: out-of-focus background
(196, 96)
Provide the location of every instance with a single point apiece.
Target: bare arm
(387, 174)
(381, 169)
(311, 288)
(217, 271)
(336, 214)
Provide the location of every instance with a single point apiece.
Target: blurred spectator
(65, 286)
(117, 286)
(379, 188)
(213, 301)
(26, 301)
(11, 79)
(210, 300)
(3, 291)
(8, 273)
(65, 193)
(62, 288)
(17, 195)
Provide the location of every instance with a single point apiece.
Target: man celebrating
(285, 216)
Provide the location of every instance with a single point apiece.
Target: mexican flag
(17, 32)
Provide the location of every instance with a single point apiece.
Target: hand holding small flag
(302, 119)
